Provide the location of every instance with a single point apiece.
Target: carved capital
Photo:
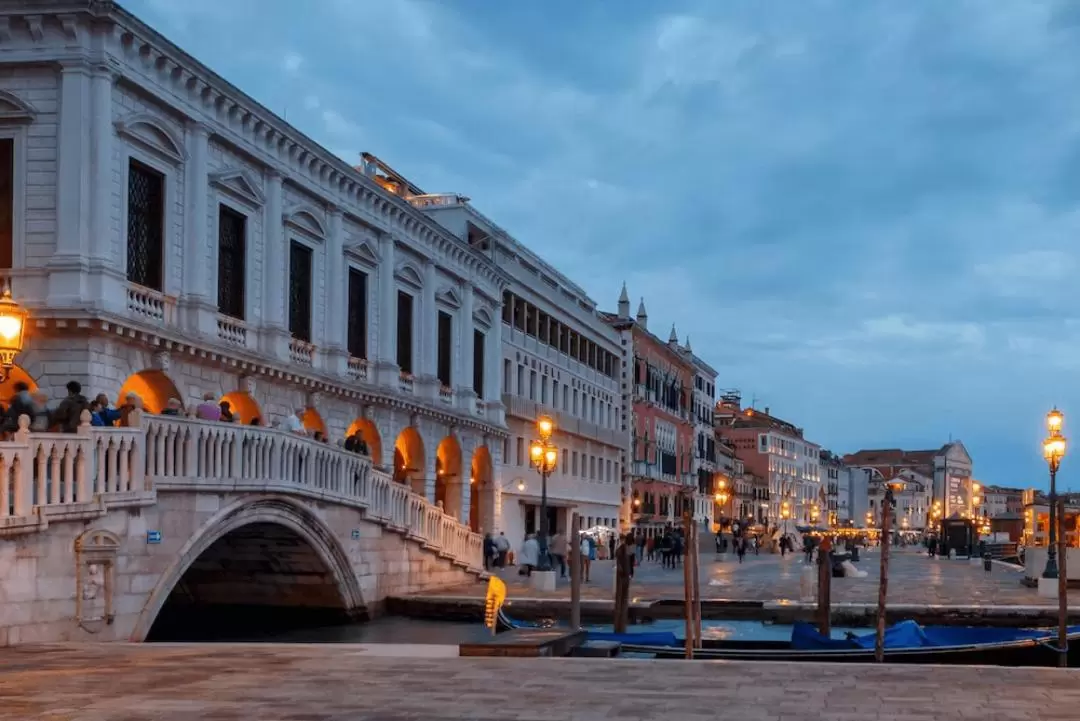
(247, 385)
(161, 361)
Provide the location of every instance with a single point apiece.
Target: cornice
(204, 351)
(198, 93)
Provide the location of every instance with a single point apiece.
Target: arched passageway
(313, 422)
(370, 435)
(255, 581)
(244, 408)
(482, 495)
(152, 386)
(448, 476)
(409, 459)
(15, 376)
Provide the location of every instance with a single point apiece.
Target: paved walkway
(914, 579)
(344, 683)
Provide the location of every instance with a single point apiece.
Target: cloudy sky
(863, 213)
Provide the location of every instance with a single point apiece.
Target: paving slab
(209, 682)
(914, 579)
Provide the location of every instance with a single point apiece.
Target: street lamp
(1053, 452)
(12, 328)
(544, 457)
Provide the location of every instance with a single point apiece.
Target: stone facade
(88, 94)
(45, 583)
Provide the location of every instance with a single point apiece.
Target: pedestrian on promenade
(530, 555)
(740, 548)
(502, 545)
(558, 552)
(586, 558)
(490, 552)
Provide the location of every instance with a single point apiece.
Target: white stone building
(172, 237)
(704, 465)
(558, 359)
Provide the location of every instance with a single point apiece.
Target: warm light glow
(472, 480)
(10, 328)
(551, 457)
(721, 484)
(536, 452)
(12, 325)
(975, 487)
(975, 500)
(637, 502)
(1054, 448)
(545, 427)
(1054, 420)
(521, 486)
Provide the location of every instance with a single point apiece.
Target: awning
(552, 502)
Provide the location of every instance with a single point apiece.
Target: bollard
(854, 554)
(808, 584)
(987, 562)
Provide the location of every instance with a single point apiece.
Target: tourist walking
(586, 557)
(530, 555)
(558, 552)
(490, 552)
(740, 548)
(502, 545)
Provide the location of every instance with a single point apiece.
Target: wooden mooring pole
(824, 600)
(688, 590)
(575, 572)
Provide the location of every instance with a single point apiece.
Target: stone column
(67, 278)
(101, 160)
(200, 279)
(386, 366)
(465, 393)
(428, 347)
(275, 332)
(493, 370)
(336, 315)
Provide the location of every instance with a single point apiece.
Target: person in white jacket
(530, 555)
(586, 549)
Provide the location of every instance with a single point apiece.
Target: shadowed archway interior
(257, 581)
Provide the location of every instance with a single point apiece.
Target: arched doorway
(482, 496)
(313, 422)
(448, 476)
(244, 408)
(370, 434)
(409, 459)
(153, 387)
(257, 568)
(15, 376)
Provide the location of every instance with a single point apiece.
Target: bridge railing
(47, 476)
(69, 476)
(189, 453)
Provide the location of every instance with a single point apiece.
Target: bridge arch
(409, 459)
(15, 375)
(244, 408)
(482, 496)
(370, 432)
(249, 529)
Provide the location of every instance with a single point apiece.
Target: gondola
(905, 642)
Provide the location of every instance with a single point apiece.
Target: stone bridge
(172, 525)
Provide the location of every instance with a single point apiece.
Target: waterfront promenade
(914, 579)
(346, 683)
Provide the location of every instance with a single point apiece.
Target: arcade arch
(153, 387)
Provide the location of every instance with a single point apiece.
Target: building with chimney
(657, 397)
(776, 451)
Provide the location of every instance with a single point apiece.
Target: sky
(862, 213)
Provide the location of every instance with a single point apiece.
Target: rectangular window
(532, 385)
(445, 345)
(232, 261)
(478, 364)
(358, 310)
(7, 202)
(507, 386)
(300, 291)
(145, 226)
(404, 332)
(521, 451)
(521, 380)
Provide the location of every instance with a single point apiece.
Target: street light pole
(1053, 452)
(544, 456)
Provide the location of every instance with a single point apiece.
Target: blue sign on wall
(356, 534)
(153, 536)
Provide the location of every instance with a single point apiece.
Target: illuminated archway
(409, 459)
(482, 495)
(244, 408)
(370, 434)
(153, 387)
(313, 422)
(15, 375)
(448, 477)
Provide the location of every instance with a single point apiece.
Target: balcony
(406, 383)
(525, 409)
(150, 306)
(232, 331)
(358, 369)
(557, 357)
(301, 352)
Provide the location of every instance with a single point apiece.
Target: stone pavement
(913, 579)
(114, 682)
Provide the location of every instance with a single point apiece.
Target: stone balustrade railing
(65, 476)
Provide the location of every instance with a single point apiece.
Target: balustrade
(83, 474)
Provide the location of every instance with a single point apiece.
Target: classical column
(200, 278)
(67, 278)
(336, 315)
(493, 370)
(101, 160)
(386, 367)
(428, 346)
(464, 375)
(275, 331)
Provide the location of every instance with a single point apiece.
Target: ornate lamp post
(544, 457)
(12, 328)
(1053, 452)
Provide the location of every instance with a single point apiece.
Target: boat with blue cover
(905, 642)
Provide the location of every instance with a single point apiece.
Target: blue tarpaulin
(908, 634)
